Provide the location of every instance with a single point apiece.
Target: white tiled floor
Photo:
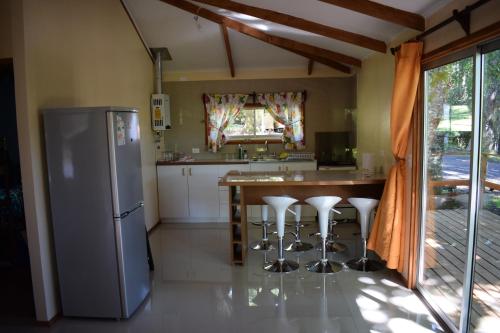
(196, 290)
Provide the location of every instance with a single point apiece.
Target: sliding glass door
(459, 262)
(485, 312)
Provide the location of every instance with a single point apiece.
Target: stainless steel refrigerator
(95, 181)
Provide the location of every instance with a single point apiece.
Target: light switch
(196, 150)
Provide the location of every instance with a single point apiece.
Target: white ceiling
(200, 47)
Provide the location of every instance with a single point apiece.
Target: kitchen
(92, 54)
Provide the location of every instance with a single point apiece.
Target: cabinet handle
(183, 172)
(279, 168)
(190, 172)
(286, 168)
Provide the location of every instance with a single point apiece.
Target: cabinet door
(203, 191)
(173, 191)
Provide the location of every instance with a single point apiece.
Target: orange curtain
(387, 237)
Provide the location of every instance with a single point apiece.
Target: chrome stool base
(262, 245)
(298, 247)
(284, 266)
(322, 266)
(365, 265)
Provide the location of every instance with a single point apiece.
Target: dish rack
(294, 156)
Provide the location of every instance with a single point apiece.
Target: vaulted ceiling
(193, 31)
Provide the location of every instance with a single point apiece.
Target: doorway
(459, 265)
(16, 290)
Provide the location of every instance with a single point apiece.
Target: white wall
(72, 53)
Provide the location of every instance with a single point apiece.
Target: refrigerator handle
(183, 172)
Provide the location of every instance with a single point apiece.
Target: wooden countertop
(222, 162)
(299, 178)
(202, 162)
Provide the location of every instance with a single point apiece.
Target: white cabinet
(173, 191)
(283, 166)
(203, 191)
(190, 193)
(265, 166)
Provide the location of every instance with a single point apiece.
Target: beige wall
(5, 30)
(73, 53)
(327, 98)
(374, 93)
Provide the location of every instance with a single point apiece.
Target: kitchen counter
(202, 162)
(298, 178)
(231, 161)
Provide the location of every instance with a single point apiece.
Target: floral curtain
(220, 110)
(286, 109)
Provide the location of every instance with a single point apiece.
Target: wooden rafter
(330, 63)
(300, 48)
(310, 66)
(300, 23)
(225, 36)
(383, 12)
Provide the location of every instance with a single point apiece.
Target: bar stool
(364, 207)
(280, 205)
(297, 245)
(323, 204)
(264, 244)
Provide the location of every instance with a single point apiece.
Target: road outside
(458, 166)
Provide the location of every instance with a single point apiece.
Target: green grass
(460, 120)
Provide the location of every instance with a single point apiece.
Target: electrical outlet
(196, 150)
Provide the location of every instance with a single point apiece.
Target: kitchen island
(248, 188)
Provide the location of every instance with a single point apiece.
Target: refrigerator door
(133, 262)
(125, 160)
(82, 223)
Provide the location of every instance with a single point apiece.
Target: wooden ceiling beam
(383, 12)
(328, 62)
(300, 48)
(310, 67)
(225, 36)
(299, 23)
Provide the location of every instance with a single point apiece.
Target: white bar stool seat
(323, 205)
(364, 207)
(280, 206)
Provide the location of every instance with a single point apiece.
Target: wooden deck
(446, 238)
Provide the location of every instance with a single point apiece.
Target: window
(254, 123)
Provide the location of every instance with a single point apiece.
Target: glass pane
(241, 125)
(266, 125)
(448, 107)
(485, 315)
